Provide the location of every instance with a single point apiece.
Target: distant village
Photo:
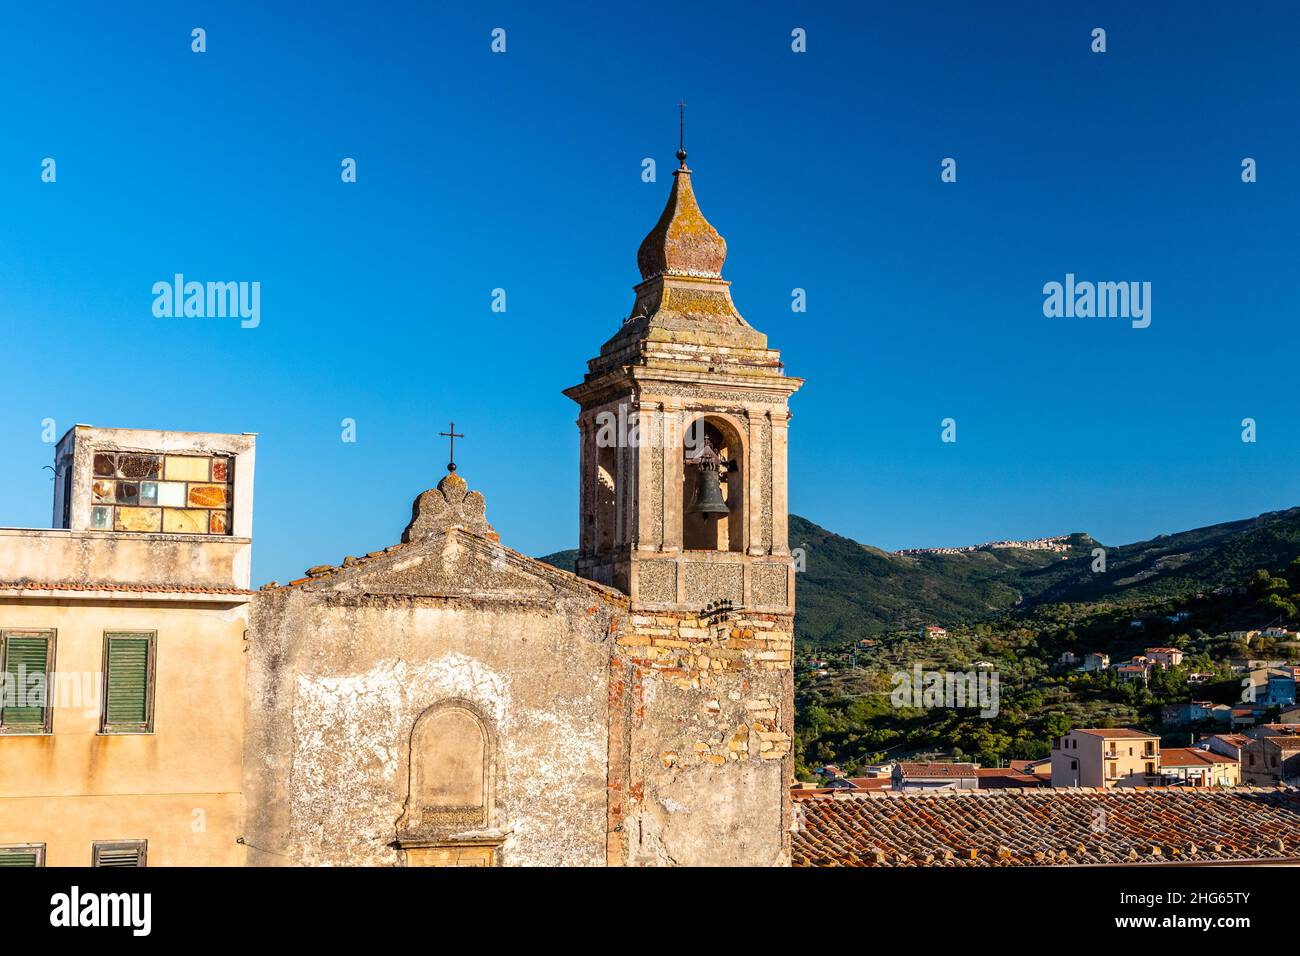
(1060, 544)
(1238, 744)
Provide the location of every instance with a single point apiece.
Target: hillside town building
(1193, 767)
(1106, 757)
(122, 638)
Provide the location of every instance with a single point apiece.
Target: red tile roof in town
(1190, 757)
(1041, 827)
(937, 769)
(993, 778)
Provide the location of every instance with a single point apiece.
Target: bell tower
(683, 425)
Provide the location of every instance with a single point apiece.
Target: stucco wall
(177, 787)
(338, 675)
(108, 557)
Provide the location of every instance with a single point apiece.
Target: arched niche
(451, 769)
(704, 532)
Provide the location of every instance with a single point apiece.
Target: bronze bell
(708, 489)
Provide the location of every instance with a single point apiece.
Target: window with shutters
(119, 853)
(26, 661)
(128, 682)
(22, 854)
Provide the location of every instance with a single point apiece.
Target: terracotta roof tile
(1190, 757)
(1037, 827)
(993, 778)
(937, 769)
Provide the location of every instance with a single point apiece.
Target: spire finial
(681, 133)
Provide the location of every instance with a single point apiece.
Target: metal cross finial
(681, 133)
(452, 435)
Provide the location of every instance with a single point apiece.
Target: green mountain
(564, 560)
(848, 591)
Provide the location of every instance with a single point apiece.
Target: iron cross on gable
(451, 434)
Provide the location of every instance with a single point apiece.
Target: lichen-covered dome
(682, 242)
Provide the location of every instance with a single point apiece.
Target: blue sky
(522, 171)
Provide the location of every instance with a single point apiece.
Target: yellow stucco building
(122, 634)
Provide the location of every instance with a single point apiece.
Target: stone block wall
(702, 723)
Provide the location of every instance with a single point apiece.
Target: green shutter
(127, 681)
(118, 856)
(18, 858)
(25, 656)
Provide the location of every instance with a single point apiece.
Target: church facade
(449, 701)
(440, 702)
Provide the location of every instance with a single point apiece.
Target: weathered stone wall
(700, 741)
(340, 671)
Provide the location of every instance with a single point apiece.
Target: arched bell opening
(606, 470)
(713, 492)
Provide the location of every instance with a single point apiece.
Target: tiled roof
(1027, 766)
(1037, 827)
(1190, 757)
(1117, 732)
(141, 588)
(937, 769)
(871, 783)
(994, 778)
